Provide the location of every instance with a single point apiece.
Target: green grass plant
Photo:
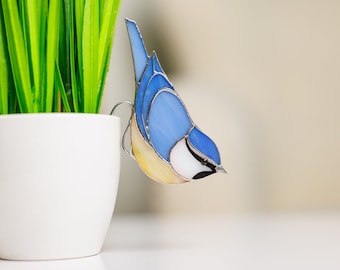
(55, 54)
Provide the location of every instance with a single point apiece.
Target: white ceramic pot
(59, 176)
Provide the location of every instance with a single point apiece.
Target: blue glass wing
(168, 122)
(149, 76)
(140, 93)
(204, 144)
(151, 82)
(156, 83)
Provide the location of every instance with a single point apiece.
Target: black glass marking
(203, 161)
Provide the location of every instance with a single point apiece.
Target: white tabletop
(259, 242)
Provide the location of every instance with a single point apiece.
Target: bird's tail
(139, 54)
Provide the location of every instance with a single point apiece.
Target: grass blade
(60, 86)
(4, 68)
(90, 54)
(79, 18)
(18, 55)
(73, 55)
(102, 81)
(104, 37)
(109, 16)
(33, 41)
(42, 22)
(63, 57)
(51, 50)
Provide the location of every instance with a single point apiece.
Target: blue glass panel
(204, 144)
(150, 83)
(168, 122)
(139, 54)
(156, 65)
(156, 83)
(148, 72)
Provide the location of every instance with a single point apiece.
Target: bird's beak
(220, 169)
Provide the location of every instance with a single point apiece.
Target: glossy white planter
(59, 176)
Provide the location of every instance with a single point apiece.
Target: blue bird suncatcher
(166, 143)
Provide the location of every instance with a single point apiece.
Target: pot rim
(57, 115)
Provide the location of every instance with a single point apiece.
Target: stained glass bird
(166, 143)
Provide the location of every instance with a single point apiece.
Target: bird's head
(195, 156)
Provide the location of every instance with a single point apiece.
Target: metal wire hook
(127, 150)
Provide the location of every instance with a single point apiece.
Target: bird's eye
(204, 162)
